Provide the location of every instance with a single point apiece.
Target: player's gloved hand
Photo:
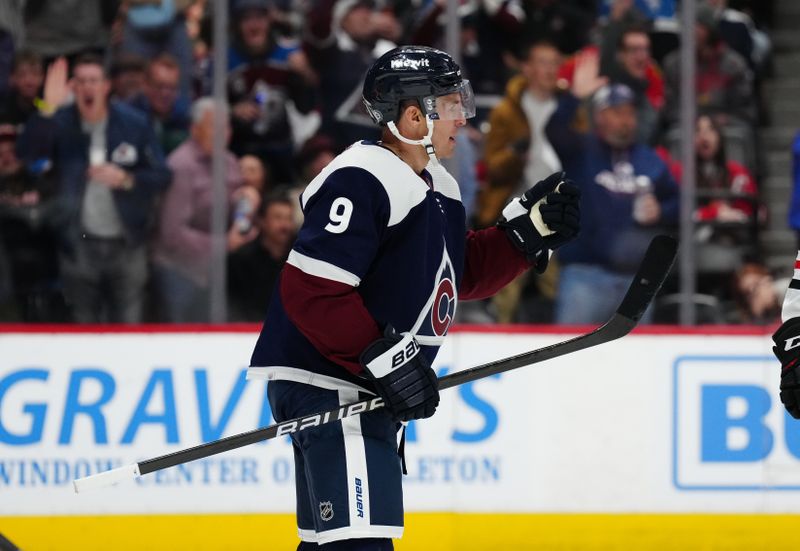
(402, 375)
(787, 350)
(547, 216)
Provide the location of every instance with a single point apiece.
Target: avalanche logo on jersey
(440, 309)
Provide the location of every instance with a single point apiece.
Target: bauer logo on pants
(326, 510)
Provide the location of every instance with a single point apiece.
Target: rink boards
(660, 440)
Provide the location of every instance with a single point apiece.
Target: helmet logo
(410, 63)
(376, 115)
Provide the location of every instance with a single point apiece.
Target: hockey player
(370, 289)
(787, 345)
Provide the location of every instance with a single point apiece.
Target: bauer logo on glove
(405, 354)
(546, 217)
(402, 376)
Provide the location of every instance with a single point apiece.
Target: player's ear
(411, 113)
(416, 114)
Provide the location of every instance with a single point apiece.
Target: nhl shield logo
(326, 510)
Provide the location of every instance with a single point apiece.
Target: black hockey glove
(547, 216)
(402, 375)
(787, 350)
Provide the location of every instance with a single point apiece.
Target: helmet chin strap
(425, 142)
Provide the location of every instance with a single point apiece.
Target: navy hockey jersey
(396, 241)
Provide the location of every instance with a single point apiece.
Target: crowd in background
(106, 133)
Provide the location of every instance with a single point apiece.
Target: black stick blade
(653, 270)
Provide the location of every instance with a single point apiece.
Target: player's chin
(444, 154)
(447, 149)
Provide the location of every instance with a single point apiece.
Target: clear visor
(458, 105)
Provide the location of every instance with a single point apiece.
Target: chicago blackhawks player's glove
(402, 376)
(546, 217)
(787, 350)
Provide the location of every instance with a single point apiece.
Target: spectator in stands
(109, 171)
(517, 151)
(264, 75)
(566, 23)
(254, 174)
(12, 38)
(620, 16)
(717, 176)
(739, 32)
(12, 34)
(27, 239)
(658, 15)
(253, 269)
(723, 82)
(154, 27)
(127, 76)
(182, 252)
(195, 15)
(632, 65)
(757, 299)
(27, 77)
(315, 155)
(250, 195)
(649, 10)
(161, 103)
(625, 58)
(627, 195)
(9, 163)
(726, 216)
(202, 72)
(341, 52)
(68, 28)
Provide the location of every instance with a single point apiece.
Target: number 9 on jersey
(341, 211)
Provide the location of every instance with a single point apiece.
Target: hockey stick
(648, 280)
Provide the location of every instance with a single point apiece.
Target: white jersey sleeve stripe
(320, 268)
(791, 302)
